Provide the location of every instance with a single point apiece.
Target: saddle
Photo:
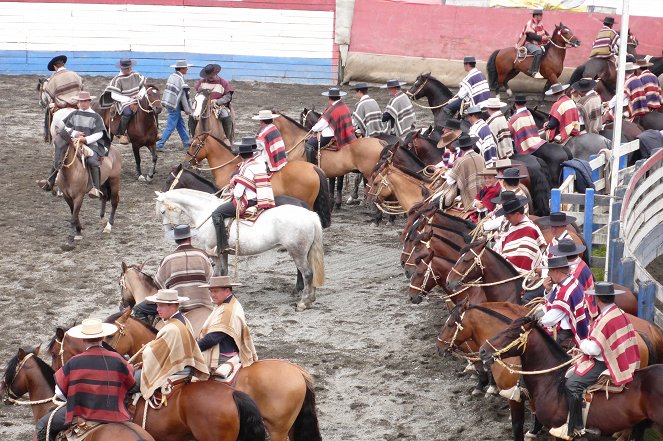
(79, 430)
(332, 146)
(227, 371)
(604, 383)
(522, 53)
(160, 396)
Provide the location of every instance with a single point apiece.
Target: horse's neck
(141, 335)
(557, 52)
(500, 270)
(147, 287)
(197, 209)
(291, 135)
(435, 94)
(39, 389)
(406, 188)
(537, 357)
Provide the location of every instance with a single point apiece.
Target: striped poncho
(606, 43)
(475, 87)
(367, 117)
(486, 142)
(564, 110)
(524, 132)
(272, 148)
(63, 88)
(253, 180)
(400, 108)
(589, 109)
(531, 28)
(500, 128)
(127, 85)
(568, 297)
(637, 97)
(521, 245)
(176, 93)
(652, 89)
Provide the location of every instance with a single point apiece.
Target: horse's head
(509, 343)
(455, 332)
(566, 37)
(423, 280)
(197, 150)
(122, 340)
(631, 44)
(420, 251)
(378, 187)
(199, 107)
(44, 98)
(134, 284)
(469, 266)
(308, 118)
(151, 102)
(20, 373)
(416, 90)
(173, 177)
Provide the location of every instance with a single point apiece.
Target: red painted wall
(305, 5)
(451, 32)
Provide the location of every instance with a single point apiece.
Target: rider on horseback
(464, 179)
(474, 87)
(499, 127)
(61, 88)
(94, 383)
(335, 122)
(652, 86)
(221, 92)
(564, 121)
(588, 103)
(606, 43)
(483, 201)
(611, 345)
(399, 113)
(366, 118)
(124, 91)
(224, 339)
(533, 37)
(581, 271)
(451, 131)
(250, 186)
(486, 143)
(269, 141)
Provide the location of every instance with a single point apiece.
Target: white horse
(295, 228)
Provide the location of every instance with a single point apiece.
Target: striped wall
(272, 41)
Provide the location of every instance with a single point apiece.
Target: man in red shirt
(335, 123)
(564, 120)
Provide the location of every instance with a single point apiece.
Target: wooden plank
(579, 199)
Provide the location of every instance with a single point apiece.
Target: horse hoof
(301, 307)
(530, 436)
(108, 228)
(492, 390)
(141, 178)
(78, 237)
(476, 392)
(149, 178)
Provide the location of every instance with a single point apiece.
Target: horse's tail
(322, 203)
(251, 426)
(539, 179)
(577, 74)
(306, 424)
(491, 67)
(316, 256)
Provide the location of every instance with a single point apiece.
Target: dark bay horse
(637, 407)
(143, 128)
(181, 177)
(437, 94)
(74, 181)
(503, 65)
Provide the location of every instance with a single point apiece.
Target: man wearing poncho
(399, 113)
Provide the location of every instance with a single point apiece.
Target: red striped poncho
(614, 334)
(273, 147)
(605, 43)
(339, 117)
(533, 28)
(524, 131)
(521, 245)
(568, 297)
(566, 113)
(652, 89)
(585, 278)
(253, 175)
(637, 97)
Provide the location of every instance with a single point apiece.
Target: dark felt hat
(510, 204)
(566, 248)
(210, 70)
(511, 173)
(248, 144)
(334, 92)
(556, 262)
(360, 86)
(520, 99)
(393, 83)
(556, 219)
(51, 64)
(584, 85)
(474, 110)
(465, 141)
(504, 196)
(182, 231)
(556, 88)
(452, 124)
(609, 21)
(537, 11)
(125, 63)
(469, 59)
(604, 289)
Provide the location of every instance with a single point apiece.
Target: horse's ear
(21, 354)
(427, 74)
(124, 267)
(59, 334)
(305, 110)
(36, 350)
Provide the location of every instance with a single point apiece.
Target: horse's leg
(332, 188)
(153, 168)
(300, 282)
(139, 172)
(75, 217)
(482, 379)
(300, 256)
(113, 188)
(355, 189)
(517, 419)
(508, 77)
(222, 264)
(339, 192)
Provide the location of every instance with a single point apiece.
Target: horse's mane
(44, 368)
(117, 315)
(200, 178)
(499, 316)
(469, 224)
(414, 157)
(296, 123)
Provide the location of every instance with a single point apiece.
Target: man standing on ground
(176, 99)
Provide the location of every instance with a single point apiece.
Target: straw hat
(166, 296)
(493, 103)
(604, 289)
(84, 95)
(492, 171)
(220, 282)
(630, 66)
(643, 62)
(503, 163)
(91, 329)
(51, 64)
(180, 64)
(265, 114)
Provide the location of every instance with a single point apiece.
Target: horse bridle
(119, 334)
(414, 95)
(567, 42)
(8, 386)
(150, 104)
(429, 272)
(176, 179)
(198, 144)
(459, 328)
(308, 112)
(475, 263)
(520, 342)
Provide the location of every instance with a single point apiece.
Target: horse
(427, 243)
(637, 406)
(74, 181)
(206, 411)
(182, 177)
(283, 391)
(204, 114)
(423, 148)
(588, 144)
(26, 373)
(295, 228)
(504, 64)
(651, 121)
(437, 94)
(298, 179)
(143, 128)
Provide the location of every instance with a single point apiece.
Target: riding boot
(227, 124)
(221, 237)
(95, 191)
(48, 184)
(122, 129)
(574, 426)
(311, 155)
(536, 63)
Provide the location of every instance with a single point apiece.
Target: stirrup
(562, 431)
(94, 193)
(513, 393)
(538, 76)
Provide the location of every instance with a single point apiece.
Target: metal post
(619, 98)
(646, 298)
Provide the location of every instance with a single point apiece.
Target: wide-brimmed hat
(537, 11)
(248, 144)
(220, 282)
(556, 262)
(511, 173)
(503, 163)
(51, 64)
(604, 289)
(125, 63)
(392, 83)
(465, 141)
(360, 86)
(469, 59)
(629, 65)
(510, 203)
(182, 231)
(556, 219)
(520, 99)
(166, 296)
(448, 138)
(265, 114)
(584, 85)
(91, 329)
(473, 110)
(84, 95)
(210, 70)
(643, 62)
(180, 64)
(567, 247)
(556, 88)
(493, 103)
(491, 171)
(452, 124)
(334, 92)
(609, 21)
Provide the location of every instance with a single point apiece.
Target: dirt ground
(372, 353)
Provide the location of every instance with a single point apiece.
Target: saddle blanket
(227, 371)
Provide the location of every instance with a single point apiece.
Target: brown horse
(74, 180)
(636, 407)
(26, 373)
(503, 65)
(283, 391)
(360, 155)
(298, 179)
(143, 128)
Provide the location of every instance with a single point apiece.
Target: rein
(13, 398)
(176, 180)
(413, 97)
(567, 41)
(199, 144)
(456, 350)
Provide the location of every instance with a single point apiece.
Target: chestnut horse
(283, 391)
(298, 179)
(503, 65)
(637, 406)
(143, 128)
(74, 180)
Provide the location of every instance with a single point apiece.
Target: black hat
(452, 124)
(556, 219)
(604, 289)
(334, 92)
(360, 86)
(393, 83)
(520, 99)
(469, 59)
(537, 12)
(465, 141)
(584, 85)
(511, 173)
(566, 248)
(125, 62)
(556, 262)
(210, 70)
(246, 145)
(504, 196)
(556, 88)
(510, 203)
(609, 21)
(182, 231)
(50, 66)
